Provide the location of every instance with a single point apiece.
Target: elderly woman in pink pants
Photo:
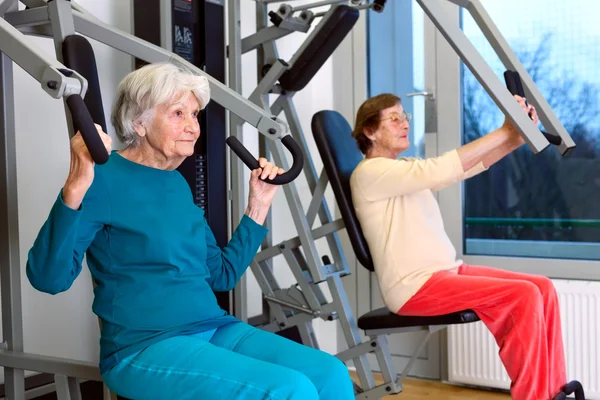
(415, 261)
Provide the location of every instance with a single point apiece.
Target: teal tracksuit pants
(234, 362)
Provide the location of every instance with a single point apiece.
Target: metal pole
(10, 264)
(240, 309)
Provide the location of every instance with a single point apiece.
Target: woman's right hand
(81, 172)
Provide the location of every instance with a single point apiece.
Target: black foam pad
(320, 48)
(340, 155)
(78, 55)
(382, 318)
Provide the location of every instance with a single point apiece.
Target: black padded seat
(382, 318)
(320, 48)
(340, 155)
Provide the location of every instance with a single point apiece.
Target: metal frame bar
(297, 264)
(318, 198)
(510, 61)
(317, 233)
(317, 4)
(350, 328)
(31, 17)
(265, 35)
(310, 173)
(52, 365)
(488, 79)
(289, 22)
(228, 98)
(67, 388)
(166, 35)
(384, 359)
(260, 94)
(236, 169)
(353, 2)
(10, 264)
(34, 3)
(37, 64)
(274, 310)
(61, 23)
(5, 5)
(61, 20)
(269, 287)
(306, 240)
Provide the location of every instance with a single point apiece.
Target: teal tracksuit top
(153, 258)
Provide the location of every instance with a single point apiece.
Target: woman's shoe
(574, 387)
(560, 396)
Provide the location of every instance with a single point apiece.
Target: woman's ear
(140, 128)
(369, 133)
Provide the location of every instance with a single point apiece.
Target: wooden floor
(415, 389)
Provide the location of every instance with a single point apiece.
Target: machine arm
(57, 80)
(488, 79)
(68, 82)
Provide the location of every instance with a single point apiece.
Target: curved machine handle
(84, 123)
(515, 86)
(252, 163)
(552, 139)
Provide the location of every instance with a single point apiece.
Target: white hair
(142, 90)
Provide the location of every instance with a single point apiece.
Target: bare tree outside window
(544, 197)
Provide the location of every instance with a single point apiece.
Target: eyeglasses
(398, 119)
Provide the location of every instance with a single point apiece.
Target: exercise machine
(298, 305)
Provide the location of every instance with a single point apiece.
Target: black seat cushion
(383, 318)
(340, 155)
(322, 45)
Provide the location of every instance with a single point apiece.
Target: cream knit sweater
(401, 220)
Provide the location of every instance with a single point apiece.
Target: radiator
(473, 354)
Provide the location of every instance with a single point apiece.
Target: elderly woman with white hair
(156, 263)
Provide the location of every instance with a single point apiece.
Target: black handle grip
(511, 83)
(552, 139)
(515, 87)
(252, 163)
(83, 122)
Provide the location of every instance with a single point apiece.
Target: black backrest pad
(320, 48)
(79, 56)
(340, 155)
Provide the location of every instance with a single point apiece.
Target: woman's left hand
(261, 192)
(529, 110)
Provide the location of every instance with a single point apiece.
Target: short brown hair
(369, 116)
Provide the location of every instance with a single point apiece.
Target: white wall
(64, 325)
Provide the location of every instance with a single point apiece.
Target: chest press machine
(299, 304)
(72, 77)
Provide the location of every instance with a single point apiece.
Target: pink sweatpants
(520, 310)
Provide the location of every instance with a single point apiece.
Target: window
(545, 205)
(396, 63)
